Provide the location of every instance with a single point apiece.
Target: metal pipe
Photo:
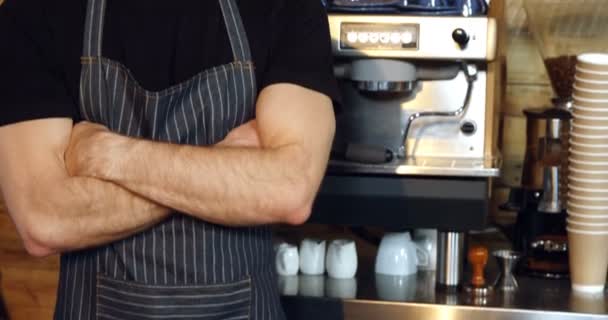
(470, 73)
(450, 259)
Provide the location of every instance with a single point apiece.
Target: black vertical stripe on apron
(183, 267)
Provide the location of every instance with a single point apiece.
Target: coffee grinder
(540, 231)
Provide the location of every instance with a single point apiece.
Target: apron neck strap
(93, 30)
(236, 31)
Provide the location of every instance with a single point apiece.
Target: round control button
(374, 37)
(407, 37)
(395, 38)
(363, 37)
(385, 37)
(351, 37)
(461, 37)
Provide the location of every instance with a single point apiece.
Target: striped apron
(183, 268)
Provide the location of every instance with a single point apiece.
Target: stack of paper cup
(588, 176)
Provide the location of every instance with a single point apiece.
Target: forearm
(80, 212)
(228, 186)
(56, 212)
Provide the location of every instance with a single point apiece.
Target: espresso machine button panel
(373, 36)
(413, 37)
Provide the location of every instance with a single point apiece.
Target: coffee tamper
(478, 259)
(507, 261)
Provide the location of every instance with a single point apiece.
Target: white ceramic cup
(287, 259)
(427, 240)
(341, 288)
(312, 256)
(311, 286)
(398, 255)
(288, 286)
(341, 260)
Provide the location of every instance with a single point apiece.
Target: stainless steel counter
(373, 296)
(415, 297)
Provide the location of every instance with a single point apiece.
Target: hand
(245, 135)
(86, 154)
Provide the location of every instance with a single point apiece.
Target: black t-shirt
(162, 43)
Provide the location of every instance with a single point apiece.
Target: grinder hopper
(562, 30)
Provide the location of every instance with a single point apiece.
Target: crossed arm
(110, 186)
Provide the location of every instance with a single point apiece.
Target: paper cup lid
(583, 108)
(578, 116)
(600, 91)
(598, 181)
(594, 72)
(600, 59)
(585, 136)
(589, 100)
(588, 163)
(573, 196)
(588, 224)
(571, 187)
(582, 126)
(588, 216)
(598, 82)
(583, 171)
(586, 145)
(590, 154)
(593, 233)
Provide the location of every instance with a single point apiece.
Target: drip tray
(423, 166)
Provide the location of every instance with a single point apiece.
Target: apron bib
(183, 268)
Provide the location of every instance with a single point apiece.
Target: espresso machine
(415, 143)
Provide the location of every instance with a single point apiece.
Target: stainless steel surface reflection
(416, 297)
(311, 286)
(341, 288)
(396, 288)
(471, 167)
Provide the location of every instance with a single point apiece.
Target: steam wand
(470, 73)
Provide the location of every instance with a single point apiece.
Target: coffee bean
(561, 72)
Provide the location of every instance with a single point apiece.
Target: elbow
(35, 232)
(298, 216)
(36, 249)
(35, 242)
(296, 201)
